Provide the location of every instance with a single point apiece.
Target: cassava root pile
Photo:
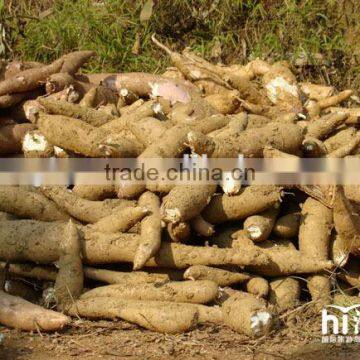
(228, 254)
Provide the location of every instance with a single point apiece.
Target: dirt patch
(299, 337)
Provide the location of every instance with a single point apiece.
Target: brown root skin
(224, 103)
(6, 216)
(94, 192)
(202, 227)
(320, 290)
(347, 149)
(29, 204)
(248, 315)
(119, 145)
(315, 91)
(15, 67)
(347, 223)
(247, 90)
(148, 130)
(95, 79)
(257, 121)
(259, 227)
(250, 143)
(58, 82)
(270, 152)
(70, 278)
(251, 200)
(11, 137)
(117, 277)
(185, 202)
(120, 220)
(199, 61)
(339, 253)
(150, 230)
(128, 96)
(81, 88)
(315, 229)
(30, 271)
(225, 293)
(106, 276)
(353, 114)
(40, 242)
(258, 67)
(224, 238)
(161, 188)
(79, 137)
(128, 109)
(335, 99)
(20, 314)
(352, 192)
(88, 100)
(60, 130)
(173, 73)
(237, 124)
(130, 190)
(345, 299)
(209, 87)
(257, 286)
(159, 316)
(339, 139)
(219, 276)
(73, 61)
(118, 124)
(197, 292)
(151, 85)
(323, 193)
(97, 96)
(84, 210)
(195, 110)
(284, 293)
(206, 256)
(29, 79)
(287, 226)
(179, 232)
(172, 144)
(189, 68)
(70, 94)
(9, 100)
(284, 258)
(323, 126)
(91, 116)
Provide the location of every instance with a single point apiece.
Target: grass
(270, 29)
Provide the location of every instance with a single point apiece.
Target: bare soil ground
(298, 337)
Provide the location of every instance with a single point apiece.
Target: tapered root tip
(159, 44)
(153, 38)
(141, 257)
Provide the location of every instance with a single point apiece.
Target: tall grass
(271, 29)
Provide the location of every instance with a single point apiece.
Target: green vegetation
(220, 30)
